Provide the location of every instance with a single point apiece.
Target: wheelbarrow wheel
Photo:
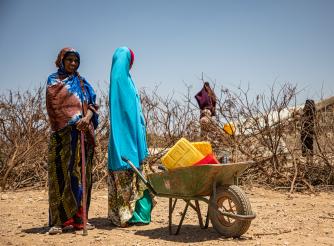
(230, 199)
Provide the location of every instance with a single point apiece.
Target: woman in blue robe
(129, 201)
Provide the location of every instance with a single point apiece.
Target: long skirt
(307, 145)
(64, 176)
(129, 201)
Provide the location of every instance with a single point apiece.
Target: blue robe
(127, 126)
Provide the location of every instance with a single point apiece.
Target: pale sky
(232, 42)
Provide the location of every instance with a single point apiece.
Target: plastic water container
(208, 159)
(203, 147)
(182, 154)
(229, 128)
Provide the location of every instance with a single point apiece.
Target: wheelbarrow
(229, 209)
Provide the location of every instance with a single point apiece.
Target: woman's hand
(83, 123)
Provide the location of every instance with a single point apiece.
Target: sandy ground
(282, 219)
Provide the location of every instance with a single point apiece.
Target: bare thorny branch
(268, 132)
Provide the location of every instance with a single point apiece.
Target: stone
(4, 197)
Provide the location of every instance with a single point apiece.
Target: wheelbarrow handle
(140, 175)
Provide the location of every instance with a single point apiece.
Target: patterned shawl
(65, 97)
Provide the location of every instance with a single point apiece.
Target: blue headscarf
(127, 126)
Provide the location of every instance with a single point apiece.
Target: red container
(208, 159)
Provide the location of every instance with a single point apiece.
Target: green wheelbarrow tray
(229, 209)
(196, 180)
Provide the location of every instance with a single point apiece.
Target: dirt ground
(282, 219)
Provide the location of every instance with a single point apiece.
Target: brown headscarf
(63, 53)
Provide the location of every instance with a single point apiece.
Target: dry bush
(24, 136)
(23, 139)
(268, 132)
(167, 120)
(102, 137)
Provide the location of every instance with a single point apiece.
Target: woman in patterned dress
(71, 108)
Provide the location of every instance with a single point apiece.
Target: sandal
(89, 226)
(55, 230)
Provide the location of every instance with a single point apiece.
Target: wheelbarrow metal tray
(195, 180)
